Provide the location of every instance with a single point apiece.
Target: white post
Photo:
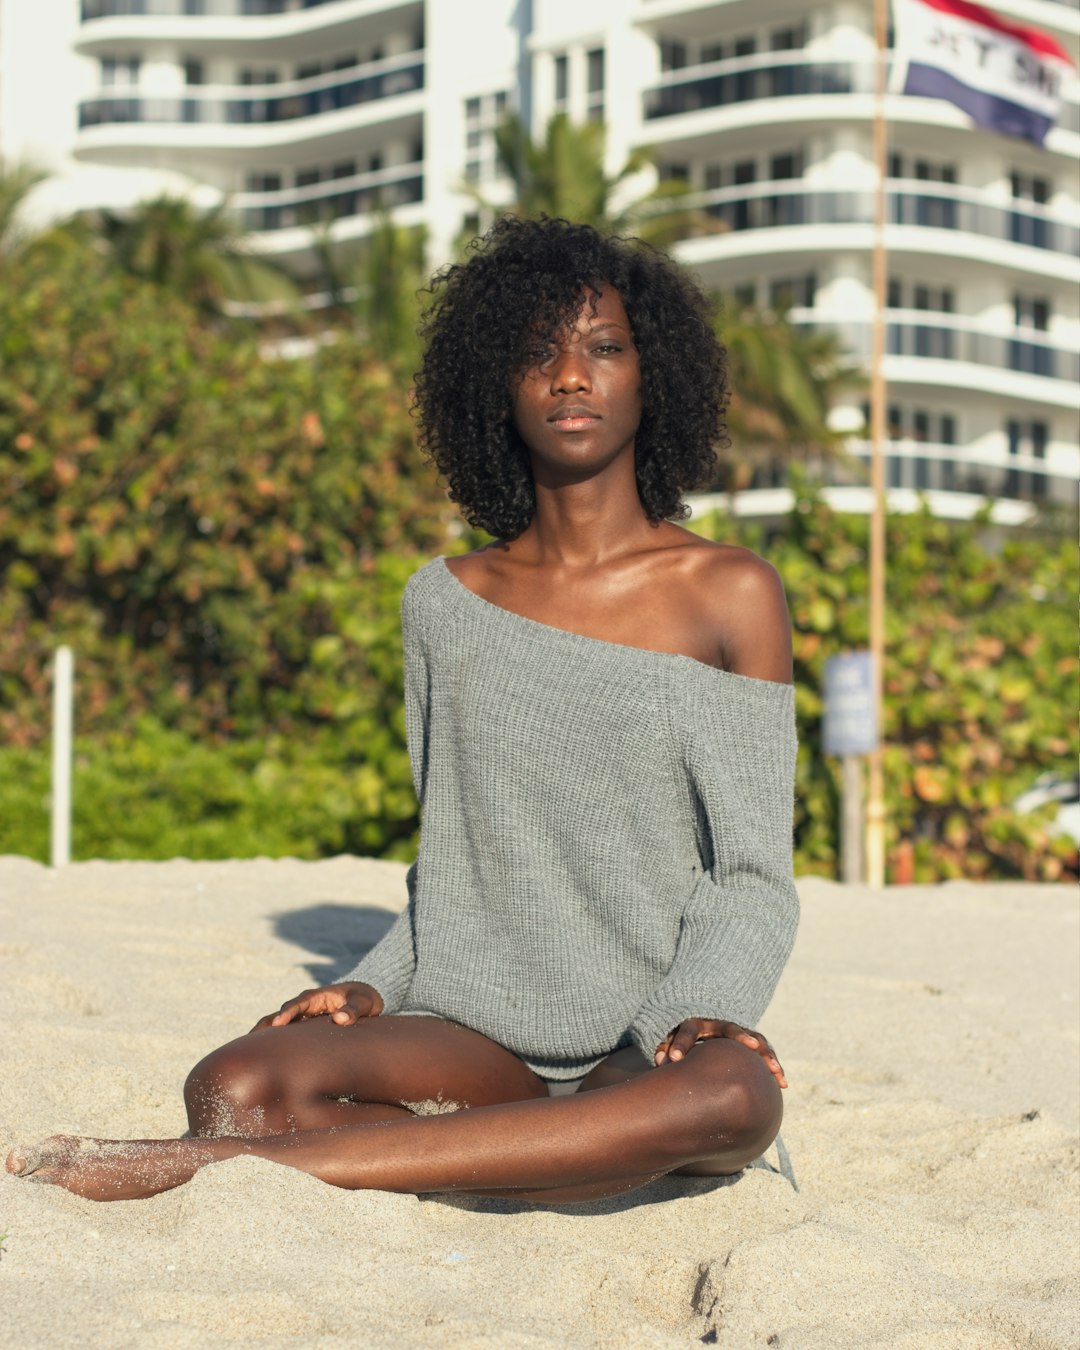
(63, 688)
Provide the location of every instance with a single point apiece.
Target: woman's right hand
(345, 1004)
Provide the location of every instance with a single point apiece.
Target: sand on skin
(930, 1035)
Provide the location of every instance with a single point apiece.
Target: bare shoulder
(740, 597)
(473, 567)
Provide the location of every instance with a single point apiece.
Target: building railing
(230, 9)
(942, 206)
(928, 467)
(949, 337)
(243, 104)
(746, 79)
(331, 200)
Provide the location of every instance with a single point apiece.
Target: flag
(1005, 77)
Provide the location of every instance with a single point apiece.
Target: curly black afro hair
(527, 277)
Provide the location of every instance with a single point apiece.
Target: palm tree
(784, 379)
(199, 255)
(564, 175)
(374, 284)
(16, 183)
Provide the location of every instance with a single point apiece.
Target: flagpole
(875, 805)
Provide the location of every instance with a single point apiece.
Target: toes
(16, 1162)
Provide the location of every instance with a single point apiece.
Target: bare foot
(117, 1169)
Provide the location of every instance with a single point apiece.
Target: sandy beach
(930, 1036)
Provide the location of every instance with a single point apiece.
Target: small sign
(850, 722)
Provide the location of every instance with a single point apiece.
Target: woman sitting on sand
(600, 720)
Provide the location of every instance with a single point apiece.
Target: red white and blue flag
(1005, 77)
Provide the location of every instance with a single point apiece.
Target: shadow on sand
(338, 935)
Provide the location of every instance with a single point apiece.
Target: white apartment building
(312, 110)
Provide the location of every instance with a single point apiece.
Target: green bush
(194, 518)
(223, 539)
(980, 676)
(156, 793)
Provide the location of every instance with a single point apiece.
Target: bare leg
(720, 1103)
(314, 1074)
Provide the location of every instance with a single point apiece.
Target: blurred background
(214, 219)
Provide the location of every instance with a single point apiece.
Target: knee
(236, 1077)
(734, 1102)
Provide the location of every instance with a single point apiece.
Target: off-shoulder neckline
(649, 653)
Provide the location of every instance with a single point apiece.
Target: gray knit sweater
(606, 838)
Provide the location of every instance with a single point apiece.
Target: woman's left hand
(694, 1029)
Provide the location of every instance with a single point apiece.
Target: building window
(788, 39)
(1030, 311)
(562, 82)
(1025, 226)
(263, 182)
(939, 299)
(594, 85)
(1031, 314)
(258, 75)
(672, 54)
(1027, 187)
(711, 52)
(1028, 438)
(193, 70)
(793, 292)
(120, 72)
(483, 116)
(787, 166)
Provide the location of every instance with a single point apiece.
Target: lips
(573, 417)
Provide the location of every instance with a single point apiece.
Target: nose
(569, 373)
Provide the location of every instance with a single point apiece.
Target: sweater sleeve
(391, 963)
(389, 966)
(738, 927)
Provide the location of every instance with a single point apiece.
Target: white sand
(930, 1036)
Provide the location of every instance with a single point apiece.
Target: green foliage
(182, 509)
(223, 539)
(195, 255)
(373, 286)
(784, 379)
(980, 671)
(564, 174)
(148, 792)
(17, 181)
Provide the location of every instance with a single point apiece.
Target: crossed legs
(371, 1106)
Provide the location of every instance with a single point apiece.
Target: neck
(586, 523)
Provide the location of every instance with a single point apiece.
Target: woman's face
(577, 408)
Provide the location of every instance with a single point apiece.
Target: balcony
(747, 79)
(927, 467)
(910, 202)
(250, 105)
(934, 336)
(359, 195)
(229, 9)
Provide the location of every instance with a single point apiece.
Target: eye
(606, 348)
